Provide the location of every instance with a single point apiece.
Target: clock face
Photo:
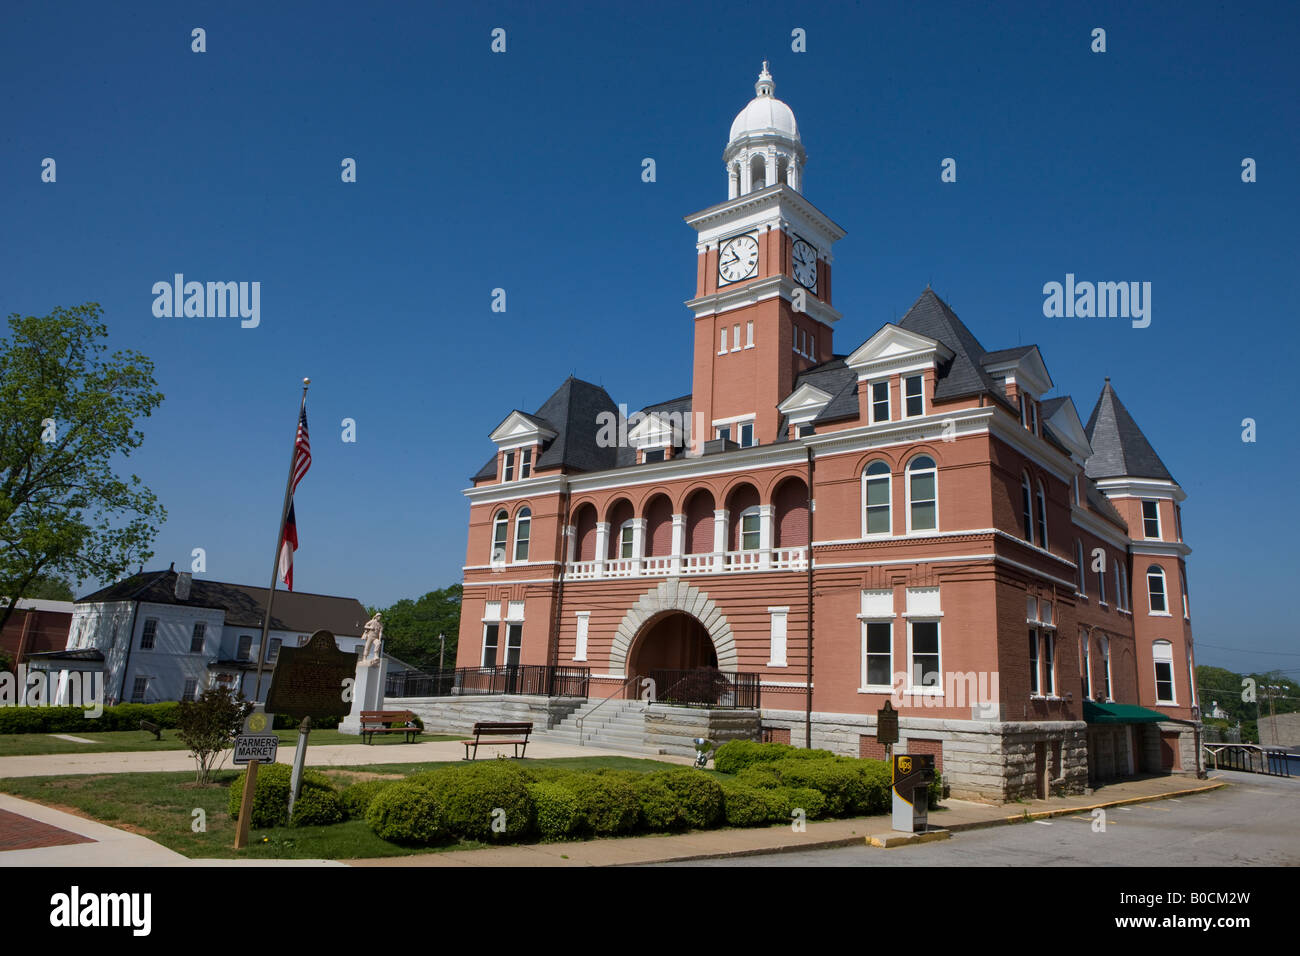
(804, 257)
(738, 258)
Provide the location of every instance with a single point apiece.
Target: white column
(733, 181)
(638, 544)
(602, 547)
(679, 543)
(770, 177)
(794, 173)
(571, 549)
(765, 513)
(746, 175)
(720, 539)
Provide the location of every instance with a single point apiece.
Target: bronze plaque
(887, 724)
(308, 681)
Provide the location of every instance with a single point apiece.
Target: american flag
(289, 538)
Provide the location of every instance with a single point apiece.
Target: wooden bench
(149, 727)
(500, 728)
(381, 721)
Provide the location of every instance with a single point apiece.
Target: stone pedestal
(367, 694)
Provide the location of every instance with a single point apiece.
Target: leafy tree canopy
(70, 418)
(411, 628)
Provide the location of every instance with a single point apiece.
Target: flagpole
(275, 565)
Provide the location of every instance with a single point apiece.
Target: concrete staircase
(617, 725)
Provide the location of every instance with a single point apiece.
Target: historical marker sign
(259, 747)
(887, 724)
(309, 681)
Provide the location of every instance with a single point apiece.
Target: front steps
(616, 725)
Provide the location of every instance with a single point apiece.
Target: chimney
(183, 582)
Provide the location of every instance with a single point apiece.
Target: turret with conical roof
(1119, 449)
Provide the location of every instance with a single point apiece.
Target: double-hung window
(500, 531)
(877, 620)
(879, 402)
(750, 523)
(914, 399)
(1159, 603)
(523, 526)
(1163, 655)
(508, 470)
(197, 637)
(922, 494)
(525, 463)
(875, 499)
(148, 634)
(1151, 519)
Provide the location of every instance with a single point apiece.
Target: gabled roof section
(1024, 363)
(894, 344)
(964, 374)
(1119, 449)
(835, 378)
(522, 427)
(806, 398)
(243, 604)
(1061, 418)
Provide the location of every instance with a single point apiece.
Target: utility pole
(442, 646)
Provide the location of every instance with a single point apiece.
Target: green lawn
(13, 745)
(160, 806)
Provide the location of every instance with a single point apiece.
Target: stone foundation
(457, 715)
(672, 729)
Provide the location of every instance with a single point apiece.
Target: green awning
(1095, 713)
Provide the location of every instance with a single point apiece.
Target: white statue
(374, 639)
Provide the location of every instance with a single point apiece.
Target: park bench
(148, 726)
(485, 728)
(382, 721)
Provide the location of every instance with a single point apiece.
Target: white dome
(765, 114)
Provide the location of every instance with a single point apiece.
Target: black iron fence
(1250, 758)
(705, 687)
(537, 679)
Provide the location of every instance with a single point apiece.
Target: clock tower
(762, 300)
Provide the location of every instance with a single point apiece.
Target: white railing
(729, 562)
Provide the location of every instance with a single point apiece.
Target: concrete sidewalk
(106, 846)
(333, 755)
(713, 844)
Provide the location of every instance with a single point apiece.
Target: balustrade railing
(712, 562)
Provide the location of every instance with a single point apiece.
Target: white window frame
(1159, 530)
(1035, 664)
(877, 608)
(722, 341)
(525, 463)
(888, 479)
(523, 519)
(1040, 515)
(581, 635)
(908, 473)
(627, 540)
(496, 644)
(1182, 582)
(1164, 591)
(872, 419)
(149, 632)
(779, 636)
(1085, 665)
(749, 334)
(240, 653)
(1162, 652)
(144, 691)
(1103, 643)
(513, 628)
(735, 336)
(913, 688)
(199, 633)
(188, 693)
(508, 467)
(1048, 656)
(740, 434)
(500, 520)
(1027, 505)
(1081, 581)
(907, 380)
(1101, 583)
(755, 512)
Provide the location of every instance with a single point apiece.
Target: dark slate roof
(1052, 405)
(242, 603)
(1118, 446)
(837, 380)
(89, 654)
(572, 412)
(1101, 504)
(964, 374)
(1007, 355)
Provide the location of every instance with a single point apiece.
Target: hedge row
(59, 720)
(318, 803)
(735, 755)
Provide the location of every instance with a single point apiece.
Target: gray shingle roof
(1118, 446)
(243, 604)
(964, 374)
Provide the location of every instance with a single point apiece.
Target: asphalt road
(1254, 822)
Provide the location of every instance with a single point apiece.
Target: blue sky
(522, 171)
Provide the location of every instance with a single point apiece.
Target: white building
(163, 635)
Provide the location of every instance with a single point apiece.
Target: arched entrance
(673, 640)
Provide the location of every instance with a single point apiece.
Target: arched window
(500, 530)
(1085, 669)
(1082, 569)
(1026, 507)
(523, 527)
(877, 518)
(1119, 585)
(922, 494)
(1041, 501)
(1162, 653)
(1156, 590)
(1103, 645)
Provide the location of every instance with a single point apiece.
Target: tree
(209, 725)
(70, 415)
(50, 588)
(411, 628)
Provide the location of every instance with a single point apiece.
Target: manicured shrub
(271, 795)
(874, 796)
(784, 801)
(317, 808)
(746, 806)
(735, 755)
(285, 722)
(559, 815)
(608, 803)
(698, 795)
(477, 796)
(407, 813)
(936, 792)
(357, 797)
(59, 720)
(661, 811)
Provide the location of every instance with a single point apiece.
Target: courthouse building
(921, 511)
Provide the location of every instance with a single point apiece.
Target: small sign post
(256, 748)
(887, 728)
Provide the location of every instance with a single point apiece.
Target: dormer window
(879, 402)
(508, 471)
(654, 454)
(1033, 416)
(525, 463)
(913, 395)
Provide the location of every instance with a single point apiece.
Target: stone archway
(674, 595)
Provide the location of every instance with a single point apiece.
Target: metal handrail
(621, 688)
